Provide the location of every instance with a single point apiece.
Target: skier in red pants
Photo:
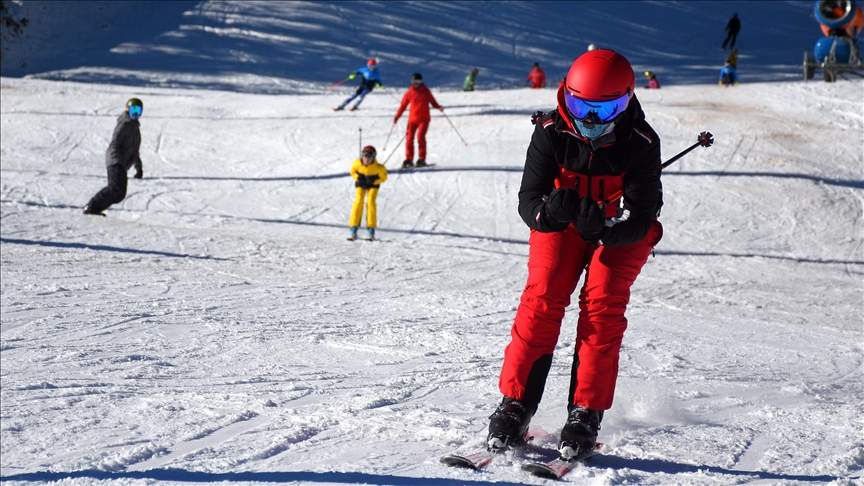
(419, 97)
(591, 194)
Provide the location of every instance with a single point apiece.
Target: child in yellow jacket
(368, 175)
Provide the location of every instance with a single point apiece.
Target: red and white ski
(480, 458)
(558, 468)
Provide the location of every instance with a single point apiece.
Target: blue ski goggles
(135, 111)
(605, 111)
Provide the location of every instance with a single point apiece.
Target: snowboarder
(470, 80)
(536, 77)
(653, 82)
(121, 155)
(370, 78)
(732, 29)
(592, 153)
(419, 97)
(368, 176)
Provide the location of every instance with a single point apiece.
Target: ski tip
(462, 462)
(540, 470)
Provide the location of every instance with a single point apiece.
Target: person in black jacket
(591, 194)
(121, 155)
(732, 29)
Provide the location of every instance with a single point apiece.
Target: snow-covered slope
(289, 47)
(217, 326)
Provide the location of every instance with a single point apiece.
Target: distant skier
(729, 71)
(419, 97)
(122, 154)
(368, 176)
(732, 29)
(653, 82)
(728, 75)
(370, 78)
(592, 153)
(536, 77)
(732, 58)
(470, 80)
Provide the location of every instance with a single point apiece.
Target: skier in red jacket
(419, 97)
(590, 194)
(536, 77)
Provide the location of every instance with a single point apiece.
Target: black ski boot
(407, 164)
(579, 435)
(91, 211)
(421, 162)
(508, 425)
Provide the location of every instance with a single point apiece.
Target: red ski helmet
(600, 75)
(372, 62)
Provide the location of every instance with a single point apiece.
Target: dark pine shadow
(85, 246)
(181, 475)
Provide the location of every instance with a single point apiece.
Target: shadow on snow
(283, 48)
(670, 467)
(85, 246)
(851, 183)
(182, 475)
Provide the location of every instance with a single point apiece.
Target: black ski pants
(114, 192)
(732, 36)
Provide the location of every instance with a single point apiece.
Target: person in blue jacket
(370, 78)
(728, 75)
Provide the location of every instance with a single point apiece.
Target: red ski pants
(555, 263)
(420, 128)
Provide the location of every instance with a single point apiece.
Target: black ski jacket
(733, 26)
(125, 144)
(632, 150)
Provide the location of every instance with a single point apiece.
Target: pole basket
(705, 139)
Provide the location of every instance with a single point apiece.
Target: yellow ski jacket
(368, 176)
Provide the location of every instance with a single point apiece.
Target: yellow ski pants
(370, 195)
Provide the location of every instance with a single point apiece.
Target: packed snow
(217, 326)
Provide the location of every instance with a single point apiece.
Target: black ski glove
(591, 222)
(563, 205)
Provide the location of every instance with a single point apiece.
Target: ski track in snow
(295, 348)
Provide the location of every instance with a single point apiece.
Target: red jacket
(537, 78)
(419, 97)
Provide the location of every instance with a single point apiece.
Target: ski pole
(394, 149)
(454, 127)
(334, 84)
(388, 137)
(360, 142)
(705, 139)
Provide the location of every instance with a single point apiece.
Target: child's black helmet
(134, 102)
